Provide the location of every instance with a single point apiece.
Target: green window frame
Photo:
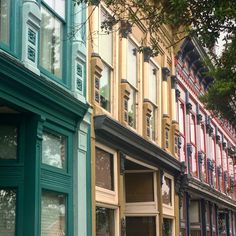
(55, 63)
(58, 181)
(12, 177)
(10, 26)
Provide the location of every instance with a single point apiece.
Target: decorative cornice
(147, 54)
(199, 118)
(111, 132)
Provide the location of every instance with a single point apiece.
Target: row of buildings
(98, 138)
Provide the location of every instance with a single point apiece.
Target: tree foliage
(206, 19)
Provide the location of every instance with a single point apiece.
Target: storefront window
(53, 214)
(54, 150)
(139, 187)
(7, 212)
(105, 225)
(8, 142)
(5, 21)
(104, 169)
(140, 226)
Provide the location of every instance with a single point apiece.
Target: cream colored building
(136, 173)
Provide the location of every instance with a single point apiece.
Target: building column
(187, 214)
(82, 183)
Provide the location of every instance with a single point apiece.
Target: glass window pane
(132, 64)
(7, 212)
(54, 150)
(8, 142)
(152, 83)
(4, 21)
(105, 225)
(140, 226)
(104, 169)
(167, 227)
(105, 41)
(139, 187)
(192, 129)
(53, 214)
(132, 108)
(58, 6)
(51, 45)
(105, 88)
(153, 124)
(166, 191)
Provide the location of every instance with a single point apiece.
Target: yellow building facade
(135, 171)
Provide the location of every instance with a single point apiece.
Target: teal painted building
(44, 119)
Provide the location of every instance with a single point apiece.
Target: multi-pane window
(132, 79)
(105, 221)
(104, 169)
(51, 37)
(53, 214)
(106, 53)
(54, 150)
(8, 142)
(7, 211)
(5, 21)
(166, 191)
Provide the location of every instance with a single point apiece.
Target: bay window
(52, 36)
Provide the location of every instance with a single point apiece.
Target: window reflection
(8, 142)
(166, 191)
(54, 150)
(51, 43)
(53, 211)
(7, 212)
(105, 222)
(104, 169)
(4, 21)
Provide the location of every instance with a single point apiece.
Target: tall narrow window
(192, 123)
(166, 191)
(5, 21)
(7, 212)
(203, 151)
(53, 214)
(132, 79)
(152, 90)
(104, 169)
(106, 53)
(51, 37)
(182, 151)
